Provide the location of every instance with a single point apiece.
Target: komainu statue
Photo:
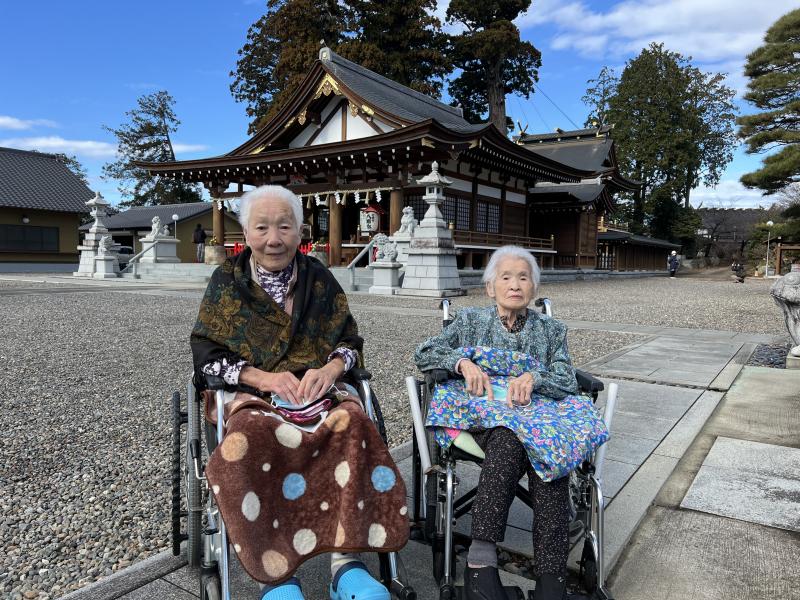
(786, 293)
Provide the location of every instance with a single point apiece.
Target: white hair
(274, 192)
(490, 273)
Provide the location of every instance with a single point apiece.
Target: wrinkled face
(512, 288)
(272, 233)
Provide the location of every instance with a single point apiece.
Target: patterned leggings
(506, 462)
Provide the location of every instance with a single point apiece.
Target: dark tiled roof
(40, 181)
(587, 154)
(584, 192)
(395, 98)
(141, 217)
(565, 135)
(638, 240)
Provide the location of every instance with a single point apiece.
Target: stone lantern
(91, 246)
(431, 269)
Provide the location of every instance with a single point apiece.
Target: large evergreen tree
(673, 129)
(281, 47)
(774, 87)
(493, 60)
(598, 96)
(401, 40)
(146, 137)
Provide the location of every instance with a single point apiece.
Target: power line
(538, 87)
(546, 124)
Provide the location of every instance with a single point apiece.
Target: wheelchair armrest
(439, 375)
(360, 374)
(588, 383)
(214, 383)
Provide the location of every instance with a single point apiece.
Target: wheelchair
(435, 507)
(204, 532)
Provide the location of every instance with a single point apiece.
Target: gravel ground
(660, 301)
(83, 495)
(770, 355)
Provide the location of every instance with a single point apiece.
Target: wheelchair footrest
(512, 592)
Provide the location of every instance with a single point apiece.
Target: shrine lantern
(370, 221)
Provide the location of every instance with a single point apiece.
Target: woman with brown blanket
(275, 324)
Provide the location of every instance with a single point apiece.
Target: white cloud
(729, 193)
(7, 122)
(179, 147)
(709, 31)
(83, 148)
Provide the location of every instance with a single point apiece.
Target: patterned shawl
(239, 320)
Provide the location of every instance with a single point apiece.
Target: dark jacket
(199, 236)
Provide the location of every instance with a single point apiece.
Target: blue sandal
(288, 590)
(353, 582)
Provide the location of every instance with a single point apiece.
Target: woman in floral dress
(518, 400)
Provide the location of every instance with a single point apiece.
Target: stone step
(363, 278)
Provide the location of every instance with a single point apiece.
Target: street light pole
(175, 225)
(769, 232)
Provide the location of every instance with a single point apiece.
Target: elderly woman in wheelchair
(513, 389)
(301, 469)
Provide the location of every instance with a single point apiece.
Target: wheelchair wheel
(210, 587)
(588, 568)
(178, 419)
(193, 493)
(437, 548)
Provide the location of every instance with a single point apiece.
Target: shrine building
(352, 144)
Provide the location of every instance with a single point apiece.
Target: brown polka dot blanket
(286, 494)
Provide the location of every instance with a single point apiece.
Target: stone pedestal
(105, 267)
(385, 277)
(403, 243)
(215, 255)
(431, 269)
(786, 294)
(164, 250)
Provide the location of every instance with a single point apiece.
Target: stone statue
(786, 293)
(104, 246)
(165, 231)
(380, 241)
(407, 222)
(155, 230)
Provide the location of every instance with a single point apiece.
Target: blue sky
(71, 67)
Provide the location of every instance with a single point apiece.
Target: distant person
(199, 238)
(673, 262)
(738, 270)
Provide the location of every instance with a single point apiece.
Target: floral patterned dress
(558, 428)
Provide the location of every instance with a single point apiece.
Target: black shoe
(550, 587)
(483, 584)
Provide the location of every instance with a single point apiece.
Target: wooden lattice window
(493, 218)
(449, 209)
(480, 216)
(463, 206)
(322, 221)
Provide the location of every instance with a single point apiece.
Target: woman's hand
(476, 380)
(520, 390)
(284, 384)
(317, 381)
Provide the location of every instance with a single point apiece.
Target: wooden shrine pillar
(395, 210)
(335, 232)
(218, 220)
